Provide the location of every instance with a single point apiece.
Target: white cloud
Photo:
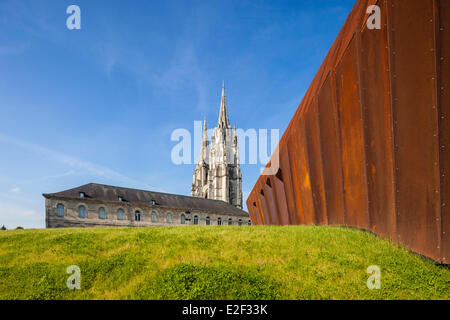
(15, 190)
(57, 176)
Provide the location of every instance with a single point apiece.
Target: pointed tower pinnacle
(223, 115)
(204, 148)
(205, 133)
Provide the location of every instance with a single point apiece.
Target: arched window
(101, 213)
(219, 221)
(154, 217)
(249, 222)
(60, 210)
(137, 216)
(82, 211)
(208, 221)
(195, 219)
(230, 222)
(120, 214)
(169, 218)
(240, 222)
(183, 219)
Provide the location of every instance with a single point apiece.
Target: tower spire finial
(223, 114)
(205, 142)
(205, 134)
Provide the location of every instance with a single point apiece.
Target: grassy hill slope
(217, 262)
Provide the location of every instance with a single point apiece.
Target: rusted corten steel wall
(369, 144)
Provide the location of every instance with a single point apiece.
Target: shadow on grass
(195, 282)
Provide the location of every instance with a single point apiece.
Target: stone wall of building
(149, 215)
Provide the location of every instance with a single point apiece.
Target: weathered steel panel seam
(392, 115)
(295, 168)
(261, 210)
(295, 218)
(273, 190)
(308, 169)
(266, 209)
(438, 109)
(339, 142)
(364, 126)
(319, 139)
(287, 175)
(292, 217)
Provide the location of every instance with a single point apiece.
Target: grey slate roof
(102, 192)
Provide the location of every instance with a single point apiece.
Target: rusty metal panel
(288, 185)
(258, 219)
(262, 201)
(383, 129)
(415, 124)
(280, 194)
(270, 200)
(303, 173)
(260, 204)
(443, 58)
(352, 141)
(315, 162)
(251, 213)
(259, 215)
(255, 204)
(295, 177)
(329, 144)
(375, 97)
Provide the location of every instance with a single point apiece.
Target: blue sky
(99, 104)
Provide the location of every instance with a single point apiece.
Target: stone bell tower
(217, 174)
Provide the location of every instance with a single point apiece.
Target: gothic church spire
(223, 115)
(217, 174)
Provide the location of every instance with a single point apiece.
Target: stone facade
(217, 174)
(64, 210)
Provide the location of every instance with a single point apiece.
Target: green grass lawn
(220, 262)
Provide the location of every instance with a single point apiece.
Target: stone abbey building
(96, 205)
(217, 174)
(216, 194)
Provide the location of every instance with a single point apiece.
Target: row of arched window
(102, 213)
(208, 221)
(137, 216)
